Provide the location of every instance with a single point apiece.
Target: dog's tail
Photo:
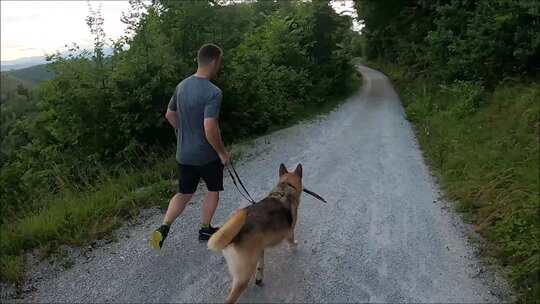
(223, 237)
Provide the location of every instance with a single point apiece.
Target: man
(194, 111)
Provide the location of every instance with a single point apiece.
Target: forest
(75, 147)
(468, 76)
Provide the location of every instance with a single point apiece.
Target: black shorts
(189, 177)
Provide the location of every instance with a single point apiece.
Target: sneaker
(158, 236)
(206, 233)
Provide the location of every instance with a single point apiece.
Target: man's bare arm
(171, 118)
(213, 135)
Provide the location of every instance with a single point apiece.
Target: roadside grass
(483, 144)
(75, 217)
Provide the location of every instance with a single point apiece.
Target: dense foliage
(102, 111)
(468, 72)
(455, 39)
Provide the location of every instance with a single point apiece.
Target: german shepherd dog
(245, 236)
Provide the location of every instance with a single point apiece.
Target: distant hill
(9, 87)
(34, 69)
(32, 75)
(15, 83)
(26, 62)
(21, 63)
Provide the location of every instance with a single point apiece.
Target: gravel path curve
(385, 235)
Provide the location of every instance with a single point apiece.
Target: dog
(245, 236)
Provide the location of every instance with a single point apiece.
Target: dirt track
(384, 236)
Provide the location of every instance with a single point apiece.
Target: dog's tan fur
(244, 237)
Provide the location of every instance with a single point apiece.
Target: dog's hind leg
(291, 240)
(242, 267)
(239, 284)
(260, 270)
(290, 237)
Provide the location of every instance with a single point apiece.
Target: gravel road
(385, 235)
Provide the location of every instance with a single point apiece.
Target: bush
(466, 96)
(484, 41)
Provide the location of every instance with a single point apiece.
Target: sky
(37, 28)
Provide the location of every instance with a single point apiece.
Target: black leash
(315, 195)
(248, 197)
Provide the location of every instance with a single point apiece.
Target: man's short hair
(207, 53)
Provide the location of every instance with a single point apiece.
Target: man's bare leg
(177, 204)
(209, 207)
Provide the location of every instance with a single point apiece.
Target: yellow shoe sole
(155, 240)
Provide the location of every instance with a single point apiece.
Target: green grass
(484, 146)
(72, 217)
(76, 218)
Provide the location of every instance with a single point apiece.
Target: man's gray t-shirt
(195, 99)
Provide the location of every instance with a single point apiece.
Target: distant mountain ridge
(22, 63)
(34, 74)
(26, 62)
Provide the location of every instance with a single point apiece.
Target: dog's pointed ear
(282, 169)
(298, 170)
